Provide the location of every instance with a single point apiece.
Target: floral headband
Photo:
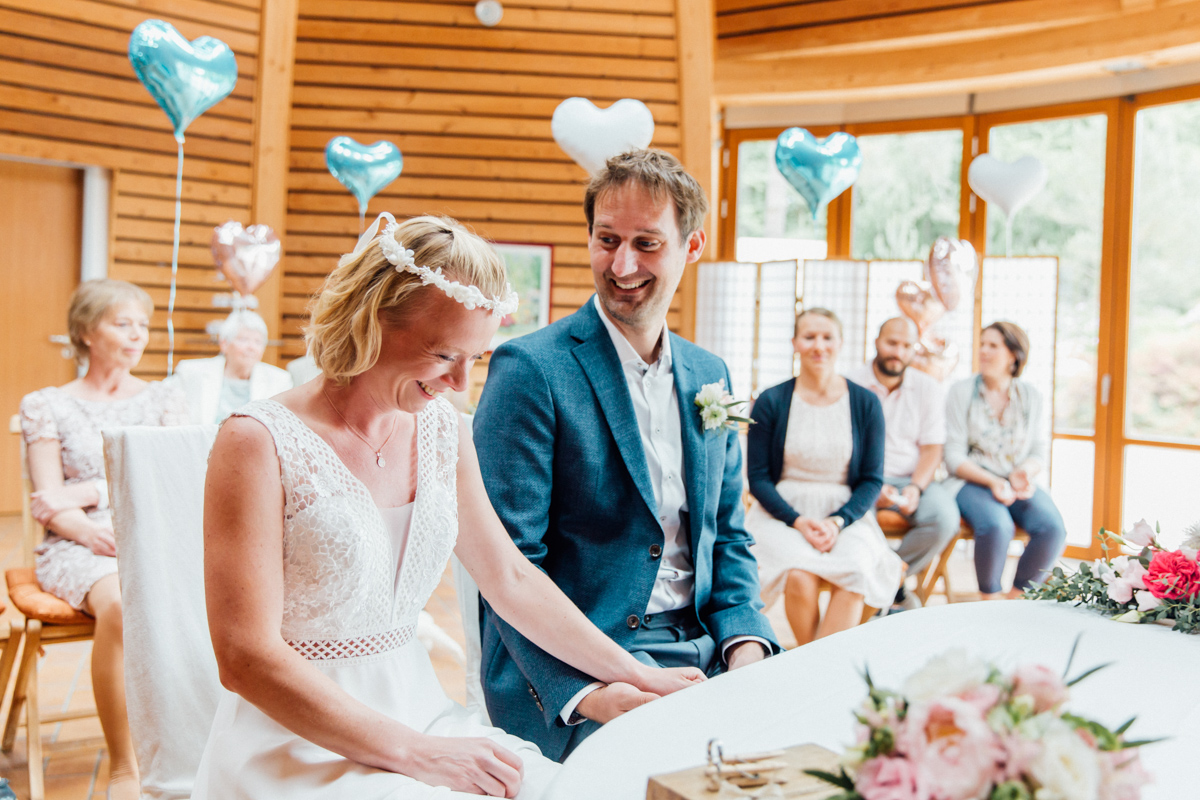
(402, 259)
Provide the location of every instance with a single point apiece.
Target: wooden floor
(81, 773)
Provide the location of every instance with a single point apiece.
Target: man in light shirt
(914, 410)
(595, 458)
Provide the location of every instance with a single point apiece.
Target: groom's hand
(744, 653)
(612, 701)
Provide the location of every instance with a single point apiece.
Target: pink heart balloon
(919, 303)
(951, 269)
(935, 356)
(245, 256)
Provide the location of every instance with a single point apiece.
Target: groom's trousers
(669, 639)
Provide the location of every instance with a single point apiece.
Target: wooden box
(691, 784)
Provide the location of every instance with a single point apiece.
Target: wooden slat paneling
(68, 93)
(470, 109)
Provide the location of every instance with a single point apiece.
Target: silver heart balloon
(245, 256)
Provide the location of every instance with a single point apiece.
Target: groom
(594, 456)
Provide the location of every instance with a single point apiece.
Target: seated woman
(995, 447)
(815, 467)
(314, 591)
(215, 386)
(109, 325)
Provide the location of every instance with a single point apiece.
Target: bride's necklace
(379, 460)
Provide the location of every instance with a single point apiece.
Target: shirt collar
(625, 352)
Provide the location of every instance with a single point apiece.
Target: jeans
(994, 526)
(933, 525)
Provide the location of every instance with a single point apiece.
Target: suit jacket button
(655, 550)
(633, 621)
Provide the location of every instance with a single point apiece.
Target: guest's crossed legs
(933, 526)
(994, 526)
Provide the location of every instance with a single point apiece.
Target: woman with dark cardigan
(815, 468)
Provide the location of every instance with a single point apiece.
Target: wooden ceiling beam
(1161, 35)
(824, 12)
(923, 29)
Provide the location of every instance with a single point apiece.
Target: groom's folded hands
(612, 700)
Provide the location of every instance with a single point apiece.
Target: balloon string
(174, 264)
(1007, 237)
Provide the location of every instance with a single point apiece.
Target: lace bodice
(53, 413)
(819, 442)
(339, 561)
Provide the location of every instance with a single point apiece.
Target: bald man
(914, 410)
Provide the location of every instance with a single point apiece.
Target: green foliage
(1010, 790)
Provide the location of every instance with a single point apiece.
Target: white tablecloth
(807, 694)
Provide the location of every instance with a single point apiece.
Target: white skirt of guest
(252, 757)
(861, 561)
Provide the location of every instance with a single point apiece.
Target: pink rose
(953, 746)
(1142, 534)
(984, 697)
(1122, 775)
(1045, 688)
(1019, 754)
(1172, 576)
(886, 778)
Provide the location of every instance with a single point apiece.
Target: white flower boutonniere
(715, 404)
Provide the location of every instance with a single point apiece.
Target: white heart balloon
(1007, 186)
(591, 135)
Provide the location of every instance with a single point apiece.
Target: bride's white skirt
(249, 756)
(861, 561)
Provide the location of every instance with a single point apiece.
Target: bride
(330, 513)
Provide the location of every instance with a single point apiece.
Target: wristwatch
(839, 521)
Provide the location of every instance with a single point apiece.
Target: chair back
(31, 532)
(156, 488)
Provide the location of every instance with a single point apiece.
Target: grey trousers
(672, 639)
(933, 525)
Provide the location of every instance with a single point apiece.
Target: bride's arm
(527, 599)
(243, 577)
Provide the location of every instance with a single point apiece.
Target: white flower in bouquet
(1067, 768)
(952, 673)
(714, 416)
(1191, 536)
(711, 394)
(715, 404)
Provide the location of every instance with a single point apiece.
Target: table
(807, 694)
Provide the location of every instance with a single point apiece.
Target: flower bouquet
(962, 729)
(716, 404)
(1153, 585)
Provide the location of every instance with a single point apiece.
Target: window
(773, 221)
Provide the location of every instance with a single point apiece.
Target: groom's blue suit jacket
(564, 466)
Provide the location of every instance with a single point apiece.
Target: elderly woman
(314, 591)
(995, 447)
(214, 387)
(815, 468)
(109, 325)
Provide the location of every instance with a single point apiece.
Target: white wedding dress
(355, 579)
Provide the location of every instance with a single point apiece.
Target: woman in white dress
(314, 590)
(815, 467)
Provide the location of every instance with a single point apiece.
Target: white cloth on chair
(156, 486)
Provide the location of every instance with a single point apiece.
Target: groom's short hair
(661, 175)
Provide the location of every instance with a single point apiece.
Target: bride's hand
(470, 765)
(663, 680)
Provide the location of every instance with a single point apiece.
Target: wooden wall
(470, 108)
(68, 93)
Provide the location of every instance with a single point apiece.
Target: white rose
(1066, 768)
(951, 673)
(714, 417)
(710, 394)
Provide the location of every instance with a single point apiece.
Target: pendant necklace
(379, 460)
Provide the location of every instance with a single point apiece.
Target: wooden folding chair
(48, 620)
(894, 527)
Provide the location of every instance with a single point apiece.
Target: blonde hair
(820, 312)
(366, 292)
(90, 301)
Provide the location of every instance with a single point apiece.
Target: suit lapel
(598, 358)
(695, 447)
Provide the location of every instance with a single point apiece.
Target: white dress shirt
(656, 406)
(914, 415)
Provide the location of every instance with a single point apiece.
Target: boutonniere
(715, 404)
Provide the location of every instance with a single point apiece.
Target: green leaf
(1119, 731)
(1086, 673)
(842, 781)
(1071, 657)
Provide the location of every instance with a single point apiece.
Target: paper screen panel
(841, 287)
(725, 317)
(776, 323)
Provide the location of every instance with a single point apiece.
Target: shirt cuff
(101, 485)
(569, 708)
(735, 640)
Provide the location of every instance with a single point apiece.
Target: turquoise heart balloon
(185, 78)
(819, 169)
(364, 169)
